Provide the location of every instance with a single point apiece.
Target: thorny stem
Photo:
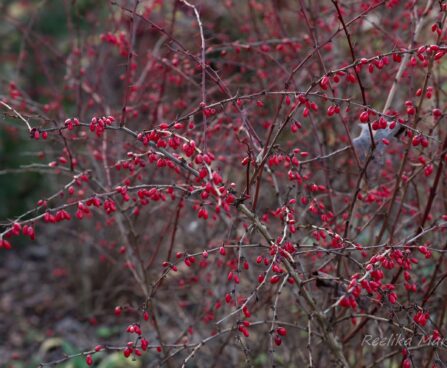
(202, 64)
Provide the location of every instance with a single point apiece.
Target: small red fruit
(281, 331)
(89, 360)
(118, 311)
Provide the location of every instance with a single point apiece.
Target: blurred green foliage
(100, 359)
(18, 191)
(61, 25)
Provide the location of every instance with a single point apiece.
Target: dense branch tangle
(207, 148)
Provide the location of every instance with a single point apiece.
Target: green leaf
(117, 360)
(106, 332)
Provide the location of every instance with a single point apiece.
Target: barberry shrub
(236, 182)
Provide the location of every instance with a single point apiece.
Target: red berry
(89, 359)
(118, 311)
(364, 117)
(281, 331)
